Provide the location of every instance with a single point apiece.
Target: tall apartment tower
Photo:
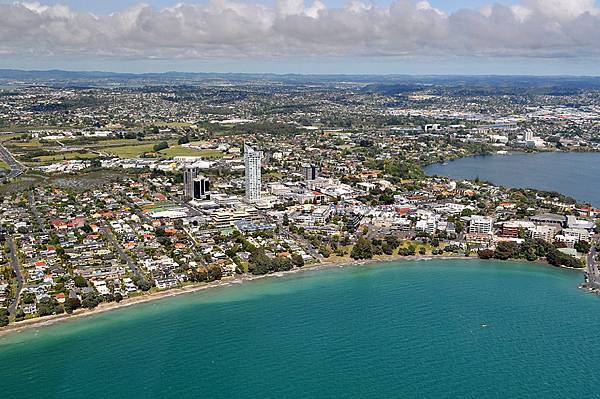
(309, 171)
(252, 161)
(189, 174)
(201, 188)
(528, 135)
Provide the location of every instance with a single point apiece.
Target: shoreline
(145, 298)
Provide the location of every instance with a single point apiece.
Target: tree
(259, 263)
(90, 300)
(387, 248)
(485, 254)
(214, 273)
(163, 145)
(118, 297)
(80, 281)
(363, 249)
(325, 251)
(297, 260)
(28, 297)
(48, 306)
(583, 247)
(142, 283)
(392, 241)
(281, 264)
(19, 314)
(505, 250)
(3, 317)
(72, 304)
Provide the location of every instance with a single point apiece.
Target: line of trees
(259, 263)
(531, 250)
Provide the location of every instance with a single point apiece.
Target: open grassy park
(174, 150)
(35, 152)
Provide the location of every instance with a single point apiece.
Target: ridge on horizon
(4, 72)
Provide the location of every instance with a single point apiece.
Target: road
(14, 262)
(16, 169)
(593, 275)
(36, 214)
(113, 240)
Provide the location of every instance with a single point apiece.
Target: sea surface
(415, 329)
(570, 173)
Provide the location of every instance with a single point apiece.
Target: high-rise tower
(252, 161)
(189, 174)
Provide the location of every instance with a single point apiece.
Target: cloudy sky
(312, 36)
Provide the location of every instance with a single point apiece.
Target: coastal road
(115, 243)
(16, 169)
(593, 275)
(14, 262)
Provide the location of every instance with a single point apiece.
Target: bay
(415, 329)
(571, 173)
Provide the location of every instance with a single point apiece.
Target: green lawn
(4, 165)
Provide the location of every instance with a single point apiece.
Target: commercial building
(252, 162)
(548, 218)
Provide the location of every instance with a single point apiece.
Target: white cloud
(229, 28)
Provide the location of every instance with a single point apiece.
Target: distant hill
(388, 84)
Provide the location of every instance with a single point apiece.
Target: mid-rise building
(252, 162)
(545, 232)
(481, 224)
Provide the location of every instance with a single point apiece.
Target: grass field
(10, 136)
(112, 143)
(4, 165)
(179, 151)
(128, 151)
(122, 148)
(174, 124)
(134, 151)
(65, 156)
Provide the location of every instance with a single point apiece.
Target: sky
(535, 37)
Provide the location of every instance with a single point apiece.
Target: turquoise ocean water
(419, 329)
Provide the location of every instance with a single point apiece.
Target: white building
(481, 224)
(544, 232)
(252, 162)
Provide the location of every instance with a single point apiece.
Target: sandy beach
(105, 307)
